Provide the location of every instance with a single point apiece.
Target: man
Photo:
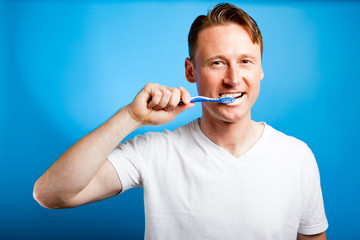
(221, 176)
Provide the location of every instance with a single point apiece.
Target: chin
(232, 117)
(227, 114)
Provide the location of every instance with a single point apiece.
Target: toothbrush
(225, 100)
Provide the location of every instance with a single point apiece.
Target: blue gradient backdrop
(67, 66)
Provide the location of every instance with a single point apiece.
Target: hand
(156, 104)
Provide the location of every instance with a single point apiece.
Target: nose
(232, 76)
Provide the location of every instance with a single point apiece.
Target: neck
(235, 137)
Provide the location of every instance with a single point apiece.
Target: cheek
(255, 84)
(255, 88)
(254, 79)
(207, 80)
(249, 73)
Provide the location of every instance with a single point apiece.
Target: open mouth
(233, 95)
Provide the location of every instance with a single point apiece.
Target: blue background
(68, 66)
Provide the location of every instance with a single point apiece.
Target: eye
(245, 61)
(217, 63)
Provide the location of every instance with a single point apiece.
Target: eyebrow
(210, 59)
(249, 56)
(242, 56)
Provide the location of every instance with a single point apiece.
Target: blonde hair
(222, 14)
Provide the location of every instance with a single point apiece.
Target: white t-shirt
(194, 189)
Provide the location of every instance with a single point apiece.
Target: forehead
(229, 39)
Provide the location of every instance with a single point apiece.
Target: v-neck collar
(221, 152)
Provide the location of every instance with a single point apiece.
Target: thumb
(182, 107)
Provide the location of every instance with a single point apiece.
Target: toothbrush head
(227, 100)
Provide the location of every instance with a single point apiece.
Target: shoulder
(280, 138)
(291, 151)
(178, 134)
(287, 144)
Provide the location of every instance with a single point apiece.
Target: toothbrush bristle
(227, 100)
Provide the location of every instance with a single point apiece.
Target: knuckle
(158, 93)
(148, 85)
(167, 93)
(152, 85)
(176, 91)
(183, 91)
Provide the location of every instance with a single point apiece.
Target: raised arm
(83, 174)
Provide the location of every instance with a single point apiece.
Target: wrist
(122, 123)
(131, 118)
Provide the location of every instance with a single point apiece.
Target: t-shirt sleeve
(313, 219)
(129, 160)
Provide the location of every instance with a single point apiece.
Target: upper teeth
(234, 95)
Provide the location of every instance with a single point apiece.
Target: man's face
(226, 63)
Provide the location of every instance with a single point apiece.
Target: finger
(182, 107)
(155, 96)
(185, 95)
(165, 97)
(174, 99)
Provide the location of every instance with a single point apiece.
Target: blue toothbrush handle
(202, 99)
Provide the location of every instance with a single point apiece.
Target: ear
(189, 71)
(261, 74)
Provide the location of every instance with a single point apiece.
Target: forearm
(82, 175)
(73, 171)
